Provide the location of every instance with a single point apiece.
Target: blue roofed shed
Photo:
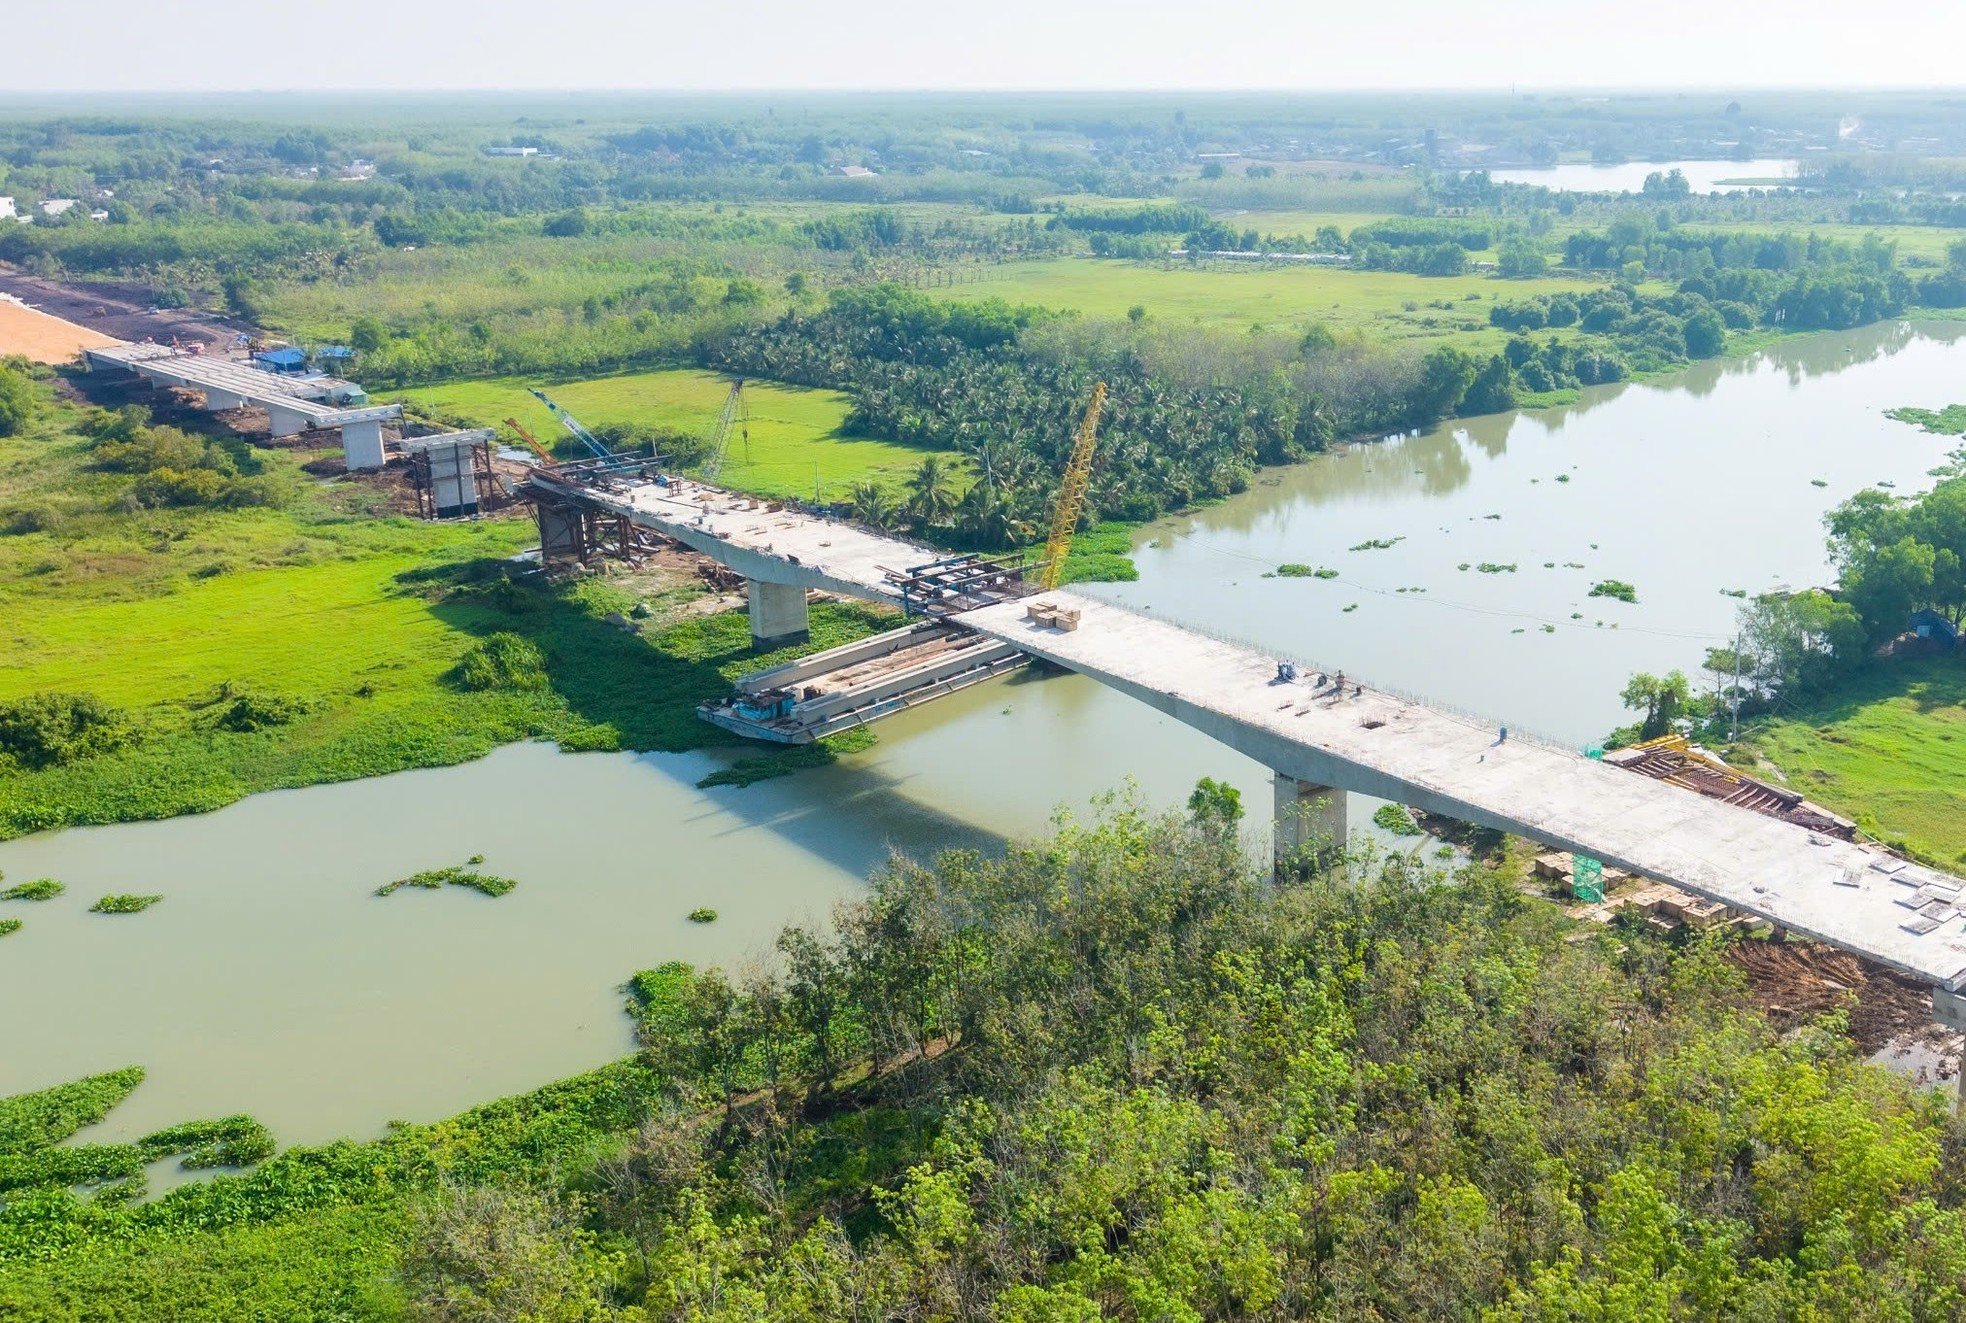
(1929, 624)
(281, 360)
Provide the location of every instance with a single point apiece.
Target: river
(272, 981)
(1629, 176)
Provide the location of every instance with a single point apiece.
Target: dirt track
(123, 311)
(42, 337)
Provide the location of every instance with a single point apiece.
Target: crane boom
(531, 441)
(572, 424)
(1071, 491)
(733, 412)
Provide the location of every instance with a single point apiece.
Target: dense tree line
(1116, 1075)
(1005, 387)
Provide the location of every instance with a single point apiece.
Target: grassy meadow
(1888, 752)
(792, 436)
(339, 627)
(1281, 298)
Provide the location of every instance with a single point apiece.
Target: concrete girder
(286, 422)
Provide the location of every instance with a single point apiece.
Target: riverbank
(310, 636)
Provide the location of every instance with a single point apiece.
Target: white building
(511, 151)
(56, 206)
(7, 208)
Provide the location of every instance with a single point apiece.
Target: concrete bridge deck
(1372, 744)
(1383, 746)
(292, 404)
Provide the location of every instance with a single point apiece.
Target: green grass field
(794, 437)
(1288, 298)
(1888, 752)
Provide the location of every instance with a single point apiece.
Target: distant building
(56, 206)
(511, 151)
(854, 172)
(7, 208)
(99, 215)
(281, 360)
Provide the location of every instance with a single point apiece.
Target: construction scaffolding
(574, 533)
(960, 583)
(451, 474)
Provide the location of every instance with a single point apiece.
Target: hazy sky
(213, 45)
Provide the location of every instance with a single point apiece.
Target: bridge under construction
(1321, 738)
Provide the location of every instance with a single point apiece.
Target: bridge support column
(1949, 1009)
(285, 422)
(1310, 825)
(361, 445)
(778, 615)
(217, 401)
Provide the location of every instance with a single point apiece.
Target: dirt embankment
(1794, 981)
(122, 310)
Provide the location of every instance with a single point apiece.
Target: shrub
(18, 404)
(48, 730)
(247, 711)
(502, 661)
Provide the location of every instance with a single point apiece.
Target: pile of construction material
(1053, 616)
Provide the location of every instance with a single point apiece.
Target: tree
(872, 505)
(490, 1255)
(1215, 803)
(1799, 643)
(931, 500)
(1888, 584)
(1663, 701)
(1705, 334)
(366, 334)
(1492, 390)
(1521, 260)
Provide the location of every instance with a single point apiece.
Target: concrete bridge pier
(361, 445)
(1310, 825)
(779, 617)
(218, 401)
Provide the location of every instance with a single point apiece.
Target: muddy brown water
(272, 981)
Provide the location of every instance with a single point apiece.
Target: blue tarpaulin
(280, 358)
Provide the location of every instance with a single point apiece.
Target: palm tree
(930, 499)
(873, 505)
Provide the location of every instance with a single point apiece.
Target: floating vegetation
(1817, 482)
(9, 926)
(123, 904)
(1518, 631)
(475, 860)
(1295, 570)
(1549, 629)
(1617, 588)
(1733, 592)
(1395, 819)
(1563, 477)
(1493, 516)
(41, 888)
(1573, 565)
(1549, 564)
(1490, 567)
(703, 914)
(1462, 566)
(1380, 543)
(234, 1141)
(1352, 607)
(432, 878)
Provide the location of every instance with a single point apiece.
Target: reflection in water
(272, 981)
(1688, 487)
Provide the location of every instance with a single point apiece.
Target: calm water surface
(1703, 176)
(272, 981)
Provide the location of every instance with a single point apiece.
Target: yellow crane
(530, 440)
(1071, 491)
